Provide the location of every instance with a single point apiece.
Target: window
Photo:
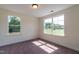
(54, 26)
(14, 24)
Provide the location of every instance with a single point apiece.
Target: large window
(54, 25)
(14, 24)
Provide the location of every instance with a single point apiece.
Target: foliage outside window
(14, 24)
(54, 26)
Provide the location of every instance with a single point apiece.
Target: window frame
(52, 22)
(14, 33)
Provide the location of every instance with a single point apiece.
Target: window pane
(14, 29)
(47, 26)
(14, 24)
(58, 25)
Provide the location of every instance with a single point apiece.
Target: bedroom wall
(29, 28)
(71, 38)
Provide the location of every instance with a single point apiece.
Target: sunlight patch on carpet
(45, 46)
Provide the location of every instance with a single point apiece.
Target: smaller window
(14, 24)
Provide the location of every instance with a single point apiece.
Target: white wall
(29, 28)
(71, 38)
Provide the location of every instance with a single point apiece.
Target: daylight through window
(54, 25)
(14, 24)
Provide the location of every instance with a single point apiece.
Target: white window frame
(52, 22)
(14, 33)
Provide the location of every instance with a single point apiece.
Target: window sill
(54, 35)
(14, 33)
